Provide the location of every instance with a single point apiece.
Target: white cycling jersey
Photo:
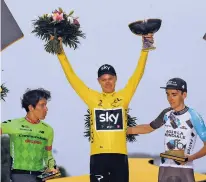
(181, 130)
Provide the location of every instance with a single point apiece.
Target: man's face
(175, 98)
(107, 83)
(40, 111)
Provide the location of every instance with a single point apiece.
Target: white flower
(70, 19)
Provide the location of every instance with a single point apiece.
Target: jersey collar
(108, 94)
(183, 111)
(31, 121)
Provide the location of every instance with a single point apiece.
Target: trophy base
(47, 176)
(176, 158)
(149, 48)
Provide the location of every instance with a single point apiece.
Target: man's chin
(108, 91)
(173, 106)
(42, 118)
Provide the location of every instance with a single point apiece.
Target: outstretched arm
(140, 129)
(148, 128)
(77, 84)
(134, 80)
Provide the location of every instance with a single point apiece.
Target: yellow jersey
(108, 120)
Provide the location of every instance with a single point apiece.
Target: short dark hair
(32, 97)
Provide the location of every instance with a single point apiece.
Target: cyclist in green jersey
(30, 138)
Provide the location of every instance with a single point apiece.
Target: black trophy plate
(144, 27)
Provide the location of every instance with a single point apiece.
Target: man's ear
(98, 79)
(184, 94)
(115, 78)
(31, 108)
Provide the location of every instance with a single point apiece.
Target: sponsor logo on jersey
(190, 146)
(183, 127)
(30, 136)
(175, 122)
(116, 102)
(26, 129)
(176, 144)
(33, 141)
(169, 126)
(109, 119)
(175, 134)
(24, 126)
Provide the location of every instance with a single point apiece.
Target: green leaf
(61, 10)
(71, 13)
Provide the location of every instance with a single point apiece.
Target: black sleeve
(159, 121)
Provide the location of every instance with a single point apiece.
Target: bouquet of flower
(57, 27)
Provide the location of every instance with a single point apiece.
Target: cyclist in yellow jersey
(109, 161)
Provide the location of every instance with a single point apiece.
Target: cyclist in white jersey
(182, 125)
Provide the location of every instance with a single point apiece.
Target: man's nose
(170, 99)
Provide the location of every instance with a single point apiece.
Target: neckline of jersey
(108, 94)
(29, 121)
(183, 111)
